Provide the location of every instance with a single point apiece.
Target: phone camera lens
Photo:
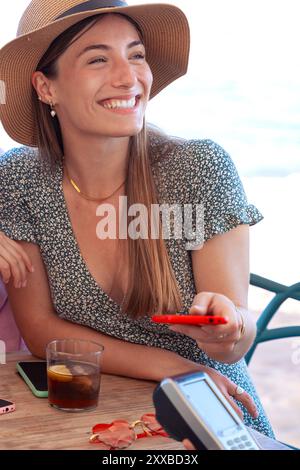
(210, 320)
(6, 409)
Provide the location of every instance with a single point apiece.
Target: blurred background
(243, 91)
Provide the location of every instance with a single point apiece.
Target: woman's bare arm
(222, 266)
(39, 324)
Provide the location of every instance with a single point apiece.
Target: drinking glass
(74, 372)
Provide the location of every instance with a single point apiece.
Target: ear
(44, 87)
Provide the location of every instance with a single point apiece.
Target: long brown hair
(152, 286)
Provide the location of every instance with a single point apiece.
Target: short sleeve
(216, 189)
(15, 217)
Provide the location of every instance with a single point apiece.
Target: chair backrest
(9, 332)
(282, 293)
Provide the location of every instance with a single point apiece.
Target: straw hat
(165, 32)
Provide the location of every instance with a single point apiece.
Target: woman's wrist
(174, 364)
(247, 327)
(247, 332)
(242, 324)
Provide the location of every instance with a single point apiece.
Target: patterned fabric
(32, 208)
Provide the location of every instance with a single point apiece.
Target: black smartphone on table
(6, 406)
(34, 374)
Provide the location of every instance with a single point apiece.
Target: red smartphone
(6, 406)
(190, 319)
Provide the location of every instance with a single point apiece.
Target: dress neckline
(75, 245)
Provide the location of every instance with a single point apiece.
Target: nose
(123, 74)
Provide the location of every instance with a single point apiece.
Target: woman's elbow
(36, 349)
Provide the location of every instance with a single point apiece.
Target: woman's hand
(188, 445)
(14, 262)
(229, 390)
(218, 338)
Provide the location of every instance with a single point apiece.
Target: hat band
(92, 5)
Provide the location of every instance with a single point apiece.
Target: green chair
(263, 332)
(282, 293)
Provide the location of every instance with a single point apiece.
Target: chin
(127, 132)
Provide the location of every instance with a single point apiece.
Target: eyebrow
(104, 47)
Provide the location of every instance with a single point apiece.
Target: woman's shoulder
(203, 153)
(19, 160)
(21, 165)
(204, 159)
(189, 161)
(186, 152)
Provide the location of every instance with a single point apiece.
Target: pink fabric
(9, 332)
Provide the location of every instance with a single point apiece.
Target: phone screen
(5, 403)
(36, 373)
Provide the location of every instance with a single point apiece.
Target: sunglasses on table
(120, 434)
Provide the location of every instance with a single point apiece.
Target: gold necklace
(85, 196)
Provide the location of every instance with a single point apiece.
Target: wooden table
(36, 425)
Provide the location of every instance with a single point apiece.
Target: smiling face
(103, 82)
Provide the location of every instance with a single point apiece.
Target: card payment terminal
(191, 406)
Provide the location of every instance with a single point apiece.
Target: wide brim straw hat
(165, 34)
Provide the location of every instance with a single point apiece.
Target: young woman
(78, 79)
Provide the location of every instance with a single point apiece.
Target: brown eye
(99, 60)
(139, 56)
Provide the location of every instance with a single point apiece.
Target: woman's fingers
(201, 303)
(14, 262)
(230, 390)
(194, 332)
(248, 403)
(5, 271)
(201, 335)
(235, 406)
(188, 445)
(23, 254)
(217, 304)
(205, 340)
(230, 328)
(245, 399)
(12, 267)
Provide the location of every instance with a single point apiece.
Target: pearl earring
(52, 112)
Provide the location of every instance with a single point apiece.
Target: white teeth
(120, 104)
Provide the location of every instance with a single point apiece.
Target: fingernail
(199, 307)
(24, 284)
(32, 269)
